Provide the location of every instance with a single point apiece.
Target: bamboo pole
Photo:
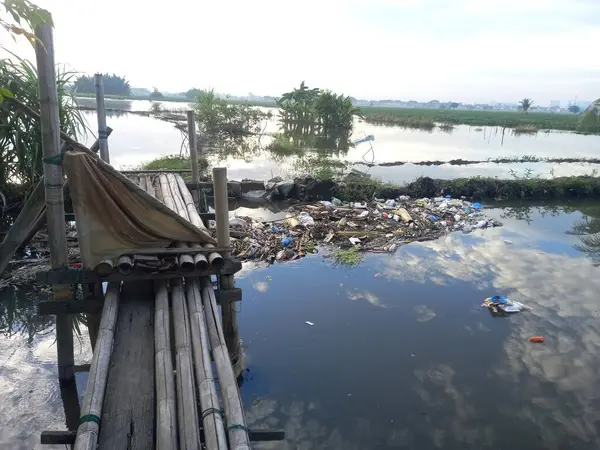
(187, 414)
(104, 154)
(212, 418)
(200, 260)
(166, 411)
(53, 176)
(91, 411)
(186, 262)
(228, 311)
(234, 410)
(221, 207)
(191, 125)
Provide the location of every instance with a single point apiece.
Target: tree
(574, 109)
(525, 104)
(23, 12)
(192, 93)
(156, 95)
(113, 85)
(453, 105)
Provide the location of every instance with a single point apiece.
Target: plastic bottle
(537, 339)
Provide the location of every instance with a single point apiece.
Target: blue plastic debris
(433, 218)
(476, 206)
(448, 196)
(287, 241)
(468, 211)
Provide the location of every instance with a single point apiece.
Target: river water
(404, 359)
(138, 139)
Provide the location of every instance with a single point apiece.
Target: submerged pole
(101, 112)
(53, 183)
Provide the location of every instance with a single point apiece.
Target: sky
(449, 50)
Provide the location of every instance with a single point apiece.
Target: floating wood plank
(129, 403)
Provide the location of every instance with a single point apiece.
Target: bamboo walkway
(161, 376)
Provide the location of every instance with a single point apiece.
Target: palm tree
(525, 104)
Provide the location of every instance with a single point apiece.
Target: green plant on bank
(348, 257)
(525, 104)
(155, 107)
(20, 134)
(218, 117)
(113, 85)
(169, 162)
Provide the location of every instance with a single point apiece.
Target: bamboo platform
(163, 372)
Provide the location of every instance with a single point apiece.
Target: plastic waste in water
(476, 206)
(390, 203)
(433, 218)
(363, 214)
(286, 241)
(336, 201)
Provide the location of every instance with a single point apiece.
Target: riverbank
(427, 118)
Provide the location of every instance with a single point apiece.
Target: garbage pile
(378, 226)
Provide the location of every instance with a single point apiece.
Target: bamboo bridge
(166, 361)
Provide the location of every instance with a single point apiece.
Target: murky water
(404, 360)
(137, 139)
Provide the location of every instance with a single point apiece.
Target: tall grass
(20, 134)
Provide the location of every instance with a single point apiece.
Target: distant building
(555, 104)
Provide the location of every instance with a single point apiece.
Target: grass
(511, 119)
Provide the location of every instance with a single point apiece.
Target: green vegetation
(525, 104)
(20, 137)
(156, 95)
(113, 85)
(218, 117)
(590, 120)
(574, 109)
(316, 111)
(349, 257)
(510, 119)
(169, 162)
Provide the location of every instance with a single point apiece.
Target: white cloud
(383, 49)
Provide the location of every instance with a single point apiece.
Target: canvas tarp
(114, 215)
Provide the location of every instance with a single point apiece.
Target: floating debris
(378, 226)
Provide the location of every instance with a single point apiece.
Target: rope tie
(56, 160)
(89, 418)
(237, 426)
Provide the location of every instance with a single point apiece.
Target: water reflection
(432, 369)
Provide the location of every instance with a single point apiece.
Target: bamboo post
(211, 415)
(53, 176)
(91, 411)
(191, 125)
(228, 311)
(166, 411)
(232, 402)
(221, 207)
(101, 112)
(187, 414)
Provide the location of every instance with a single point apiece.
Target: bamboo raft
(165, 366)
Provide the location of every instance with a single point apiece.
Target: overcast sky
(461, 50)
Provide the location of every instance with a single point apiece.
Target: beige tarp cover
(114, 215)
